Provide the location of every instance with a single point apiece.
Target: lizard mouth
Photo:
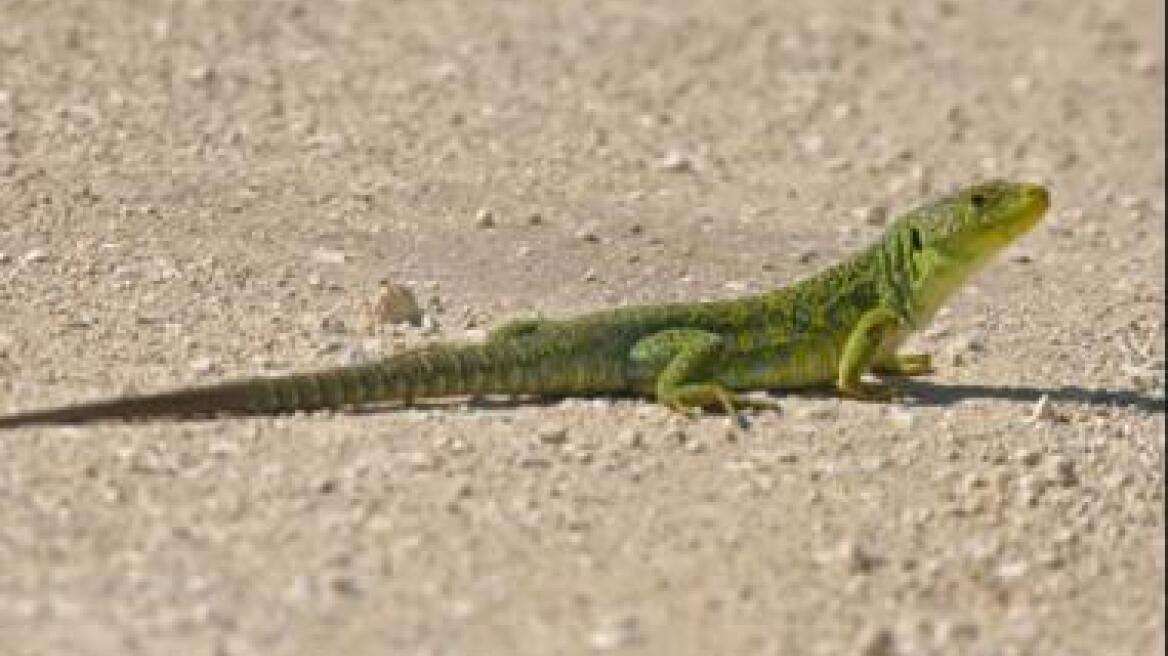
(1038, 195)
(1035, 200)
(1030, 204)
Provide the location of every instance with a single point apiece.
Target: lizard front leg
(905, 364)
(864, 347)
(683, 362)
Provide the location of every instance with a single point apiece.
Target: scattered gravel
(209, 194)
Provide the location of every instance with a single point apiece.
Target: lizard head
(977, 221)
(945, 241)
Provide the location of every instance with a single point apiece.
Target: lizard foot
(870, 391)
(908, 364)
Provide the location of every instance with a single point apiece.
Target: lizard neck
(893, 271)
(916, 283)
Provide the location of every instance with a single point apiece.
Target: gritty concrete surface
(198, 190)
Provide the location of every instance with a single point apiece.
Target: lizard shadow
(921, 392)
(932, 394)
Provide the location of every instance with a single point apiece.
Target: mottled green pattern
(827, 329)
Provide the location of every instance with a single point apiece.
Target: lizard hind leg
(680, 362)
(523, 327)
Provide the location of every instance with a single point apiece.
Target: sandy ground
(191, 191)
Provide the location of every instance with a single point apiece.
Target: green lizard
(829, 329)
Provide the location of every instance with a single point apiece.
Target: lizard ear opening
(915, 241)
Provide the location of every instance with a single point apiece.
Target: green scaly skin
(829, 329)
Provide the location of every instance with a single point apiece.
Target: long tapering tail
(227, 398)
(529, 367)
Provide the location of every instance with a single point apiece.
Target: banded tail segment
(506, 367)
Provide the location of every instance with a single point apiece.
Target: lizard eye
(978, 199)
(915, 241)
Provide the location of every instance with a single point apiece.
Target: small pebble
(762, 483)
(461, 489)
(815, 411)
(1063, 472)
(1018, 255)
(396, 304)
(937, 331)
(588, 233)
(859, 559)
(962, 345)
(346, 586)
(1013, 571)
(327, 256)
(838, 164)
(879, 641)
(855, 558)
(949, 631)
(485, 218)
(1145, 62)
(971, 343)
(222, 448)
(971, 482)
(1031, 488)
(1028, 457)
(786, 457)
(357, 354)
(429, 325)
(630, 438)
(1021, 84)
(616, 634)
(1144, 377)
(806, 256)
(201, 73)
(82, 321)
(812, 144)
(333, 325)
(202, 366)
(532, 460)
(420, 460)
(1042, 410)
(676, 161)
(35, 256)
(873, 215)
(1119, 481)
(456, 445)
(901, 417)
(554, 435)
(676, 436)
